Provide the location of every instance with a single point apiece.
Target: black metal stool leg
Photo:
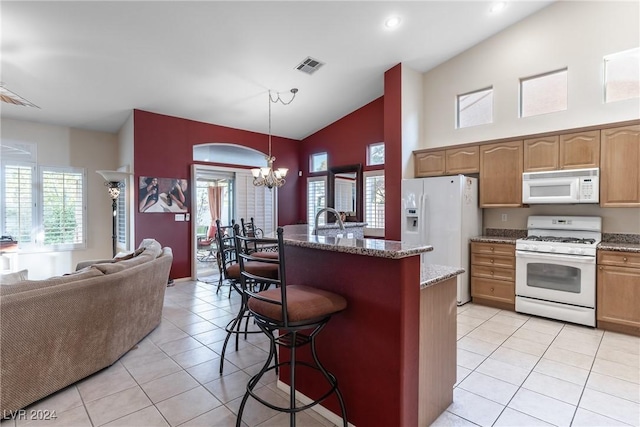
(292, 382)
(330, 378)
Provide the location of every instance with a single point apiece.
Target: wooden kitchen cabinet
(447, 162)
(579, 150)
(620, 167)
(462, 160)
(501, 166)
(493, 274)
(429, 163)
(618, 292)
(541, 154)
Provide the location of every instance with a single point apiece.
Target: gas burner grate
(561, 239)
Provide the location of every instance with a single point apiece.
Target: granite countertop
(335, 225)
(610, 241)
(297, 235)
(619, 247)
(494, 239)
(433, 274)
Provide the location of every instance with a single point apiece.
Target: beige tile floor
(513, 370)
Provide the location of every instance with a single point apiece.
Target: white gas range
(556, 268)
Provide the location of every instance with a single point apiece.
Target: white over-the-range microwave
(563, 186)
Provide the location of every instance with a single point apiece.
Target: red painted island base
(393, 350)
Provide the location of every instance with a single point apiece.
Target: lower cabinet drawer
(493, 289)
(493, 272)
(492, 260)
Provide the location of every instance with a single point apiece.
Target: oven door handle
(556, 257)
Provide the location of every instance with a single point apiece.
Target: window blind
(18, 207)
(374, 199)
(316, 199)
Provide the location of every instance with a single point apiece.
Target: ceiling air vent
(309, 65)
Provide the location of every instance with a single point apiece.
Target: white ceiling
(88, 64)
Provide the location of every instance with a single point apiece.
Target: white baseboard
(335, 419)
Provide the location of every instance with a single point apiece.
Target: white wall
(63, 146)
(125, 163)
(412, 111)
(573, 34)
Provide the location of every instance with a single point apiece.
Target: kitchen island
(393, 350)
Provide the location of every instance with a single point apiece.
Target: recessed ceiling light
(498, 6)
(392, 22)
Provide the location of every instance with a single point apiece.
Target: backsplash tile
(621, 238)
(505, 232)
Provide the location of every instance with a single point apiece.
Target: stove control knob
(579, 251)
(552, 249)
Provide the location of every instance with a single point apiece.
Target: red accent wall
(345, 141)
(393, 150)
(163, 147)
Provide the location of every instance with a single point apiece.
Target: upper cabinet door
(430, 163)
(541, 154)
(620, 167)
(580, 150)
(501, 167)
(463, 160)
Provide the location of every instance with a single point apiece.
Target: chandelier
(270, 177)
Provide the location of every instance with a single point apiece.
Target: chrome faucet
(333, 211)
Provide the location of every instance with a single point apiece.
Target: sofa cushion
(110, 267)
(13, 278)
(29, 285)
(129, 255)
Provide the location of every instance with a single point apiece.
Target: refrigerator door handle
(424, 218)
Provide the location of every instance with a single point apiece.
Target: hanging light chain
(268, 176)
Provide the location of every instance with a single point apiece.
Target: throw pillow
(13, 278)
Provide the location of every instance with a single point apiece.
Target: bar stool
(225, 253)
(229, 257)
(249, 229)
(288, 310)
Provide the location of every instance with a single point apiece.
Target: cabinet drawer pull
(600, 268)
(491, 260)
(492, 289)
(624, 259)
(492, 273)
(491, 249)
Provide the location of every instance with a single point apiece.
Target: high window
(622, 75)
(316, 199)
(374, 196)
(375, 154)
(544, 93)
(318, 162)
(474, 108)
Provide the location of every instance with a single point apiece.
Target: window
(375, 154)
(622, 75)
(318, 162)
(374, 192)
(316, 199)
(475, 108)
(17, 196)
(45, 211)
(545, 93)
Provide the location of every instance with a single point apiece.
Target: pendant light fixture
(268, 176)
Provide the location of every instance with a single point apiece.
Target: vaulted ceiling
(88, 64)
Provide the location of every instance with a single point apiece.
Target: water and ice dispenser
(412, 220)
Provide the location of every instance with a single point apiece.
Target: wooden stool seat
(303, 303)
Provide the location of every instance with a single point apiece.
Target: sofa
(57, 331)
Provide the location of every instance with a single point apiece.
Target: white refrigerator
(443, 212)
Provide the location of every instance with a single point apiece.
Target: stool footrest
(333, 383)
